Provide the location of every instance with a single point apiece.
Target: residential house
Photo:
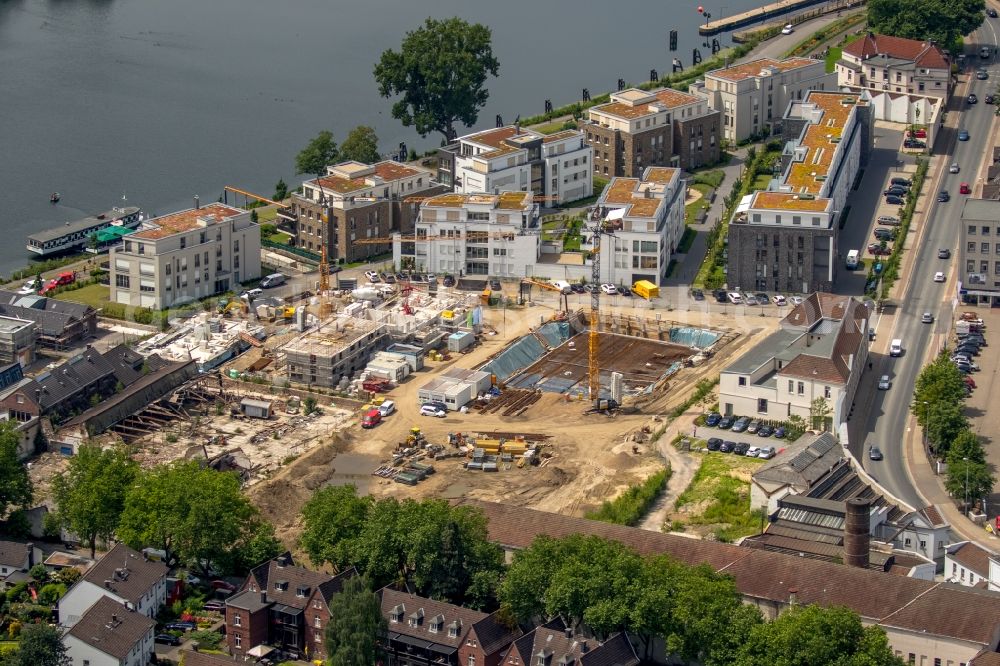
(282, 605)
(122, 575)
(357, 202)
(785, 238)
(979, 252)
(819, 352)
(555, 167)
(184, 256)
(425, 632)
(752, 95)
(555, 644)
(16, 560)
(639, 129)
(473, 234)
(895, 64)
(925, 621)
(646, 215)
(59, 325)
(110, 634)
(968, 563)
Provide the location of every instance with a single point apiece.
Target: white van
(853, 257)
(896, 348)
(562, 286)
(272, 280)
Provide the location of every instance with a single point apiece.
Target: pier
(771, 11)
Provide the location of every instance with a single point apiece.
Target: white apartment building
(753, 95)
(895, 65)
(820, 351)
(556, 166)
(647, 215)
(473, 234)
(184, 256)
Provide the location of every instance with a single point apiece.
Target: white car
(431, 410)
(734, 297)
(939, 277)
(753, 452)
(778, 299)
(884, 383)
(609, 289)
(788, 29)
(372, 276)
(796, 300)
(386, 408)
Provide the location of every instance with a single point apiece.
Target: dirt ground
(593, 457)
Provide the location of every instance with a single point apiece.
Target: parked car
(431, 410)
(764, 431)
(875, 453)
(713, 419)
(713, 444)
(167, 639)
(893, 200)
(741, 424)
(726, 423)
(766, 452)
(884, 383)
(754, 426)
(752, 452)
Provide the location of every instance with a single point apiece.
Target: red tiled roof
(924, 54)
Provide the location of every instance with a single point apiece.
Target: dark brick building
(638, 129)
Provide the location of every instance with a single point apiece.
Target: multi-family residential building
(124, 576)
(785, 238)
(511, 159)
(356, 201)
(282, 605)
(184, 256)
(110, 634)
(752, 95)
(647, 217)
(895, 64)
(638, 129)
(820, 350)
(473, 234)
(979, 252)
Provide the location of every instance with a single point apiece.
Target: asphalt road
(888, 411)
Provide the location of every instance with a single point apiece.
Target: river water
(161, 100)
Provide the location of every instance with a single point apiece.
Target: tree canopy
(439, 74)
(361, 145)
(90, 494)
(441, 550)
(944, 21)
(15, 485)
(319, 152)
(356, 627)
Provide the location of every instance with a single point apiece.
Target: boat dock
(771, 11)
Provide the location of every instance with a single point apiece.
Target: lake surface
(162, 100)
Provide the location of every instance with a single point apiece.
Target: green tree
(361, 145)
(15, 485)
(968, 479)
(90, 494)
(814, 635)
(332, 520)
(439, 73)
(944, 423)
(281, 190)
(356, 629)
(944, 21)
(40, 645)
(197, 515)
(314, 158)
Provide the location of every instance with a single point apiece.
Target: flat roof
(754, 67)
(185, 220)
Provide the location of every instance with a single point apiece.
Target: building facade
(646, 215)
(979, 252)
(896, 65)
(556, 167)
(357, 202)
(819, 352)
(184, 256)
(752, 95)
(473, 234)
(786, 238)
(639, 129)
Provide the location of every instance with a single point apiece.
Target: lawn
(718, 498)
(94, 295)
(693, 210)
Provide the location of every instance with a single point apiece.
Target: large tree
(197, 515)
(439, 73)
(356, 628)
(314, 158)
(90, 494)
(15, 485)
(814, 635)
(39, 645)
(361, 145)
(944, 21)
